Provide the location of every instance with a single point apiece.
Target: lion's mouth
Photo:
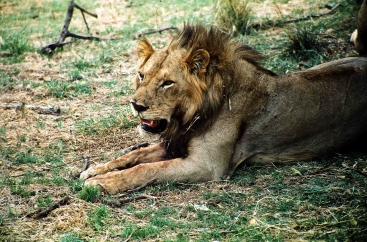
(153, 126)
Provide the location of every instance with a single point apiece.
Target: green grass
(88, 193)
(103, 125)
(70, 237)
(301, 38)
(6, 82)
(44, 201)
(99, 218)
(14, 46)
(62, 89)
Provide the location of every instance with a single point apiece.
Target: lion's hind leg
(148, 154)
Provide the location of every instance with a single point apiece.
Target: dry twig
(272, 23)
(310, 16)
(153, 32)
(319, 170)
(45, 212)
(39, 109)
(65, 30)
(120, 202)
(66, 33)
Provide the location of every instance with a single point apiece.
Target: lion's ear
(198, 61)
(144, 49)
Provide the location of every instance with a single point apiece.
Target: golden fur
(215, 107)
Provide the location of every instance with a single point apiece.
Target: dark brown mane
(221, 47)
(224, 54)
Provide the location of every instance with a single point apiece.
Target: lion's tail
(359, 36)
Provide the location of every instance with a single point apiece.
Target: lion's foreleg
(148, 154)
(179, 170)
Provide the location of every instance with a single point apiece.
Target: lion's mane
(212, 87)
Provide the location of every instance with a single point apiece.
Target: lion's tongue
(150, 123)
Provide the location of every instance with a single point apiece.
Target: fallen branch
(272, 23)
(310, 16)
(45, 212)
(65, 33)
(118, 203)
(39, 109)
(319, 170)
(82, 10)
(65, 30)
(153, 32)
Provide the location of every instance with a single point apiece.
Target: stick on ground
(153, 32)
(118, 203)
(312, 15)
(272, 23)
(65, 29)
(45, 212)
(39, 109)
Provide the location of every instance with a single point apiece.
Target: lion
(214, 107)
(359, 36)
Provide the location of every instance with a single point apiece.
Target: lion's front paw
(93, 171)
(88, 173)
(104, 185)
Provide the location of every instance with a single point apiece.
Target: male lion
(215, 107)
(359, 37)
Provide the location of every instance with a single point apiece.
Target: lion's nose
(137, 107)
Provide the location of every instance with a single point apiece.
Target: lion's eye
(140, 76)
(167, 84)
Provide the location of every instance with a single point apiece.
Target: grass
(14, 47)
(302, 38)
(61, 89)
(88, 193)
(101, 125)
(317, 200)
(233, 15)
(98, 217)
(70, 237)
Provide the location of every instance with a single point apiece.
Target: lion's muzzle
(149, 125)
(153, 126)
(138, 107)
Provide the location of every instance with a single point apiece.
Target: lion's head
(180, 89)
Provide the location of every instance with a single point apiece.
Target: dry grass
(90, 82)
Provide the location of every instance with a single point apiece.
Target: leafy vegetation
(41, 154)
